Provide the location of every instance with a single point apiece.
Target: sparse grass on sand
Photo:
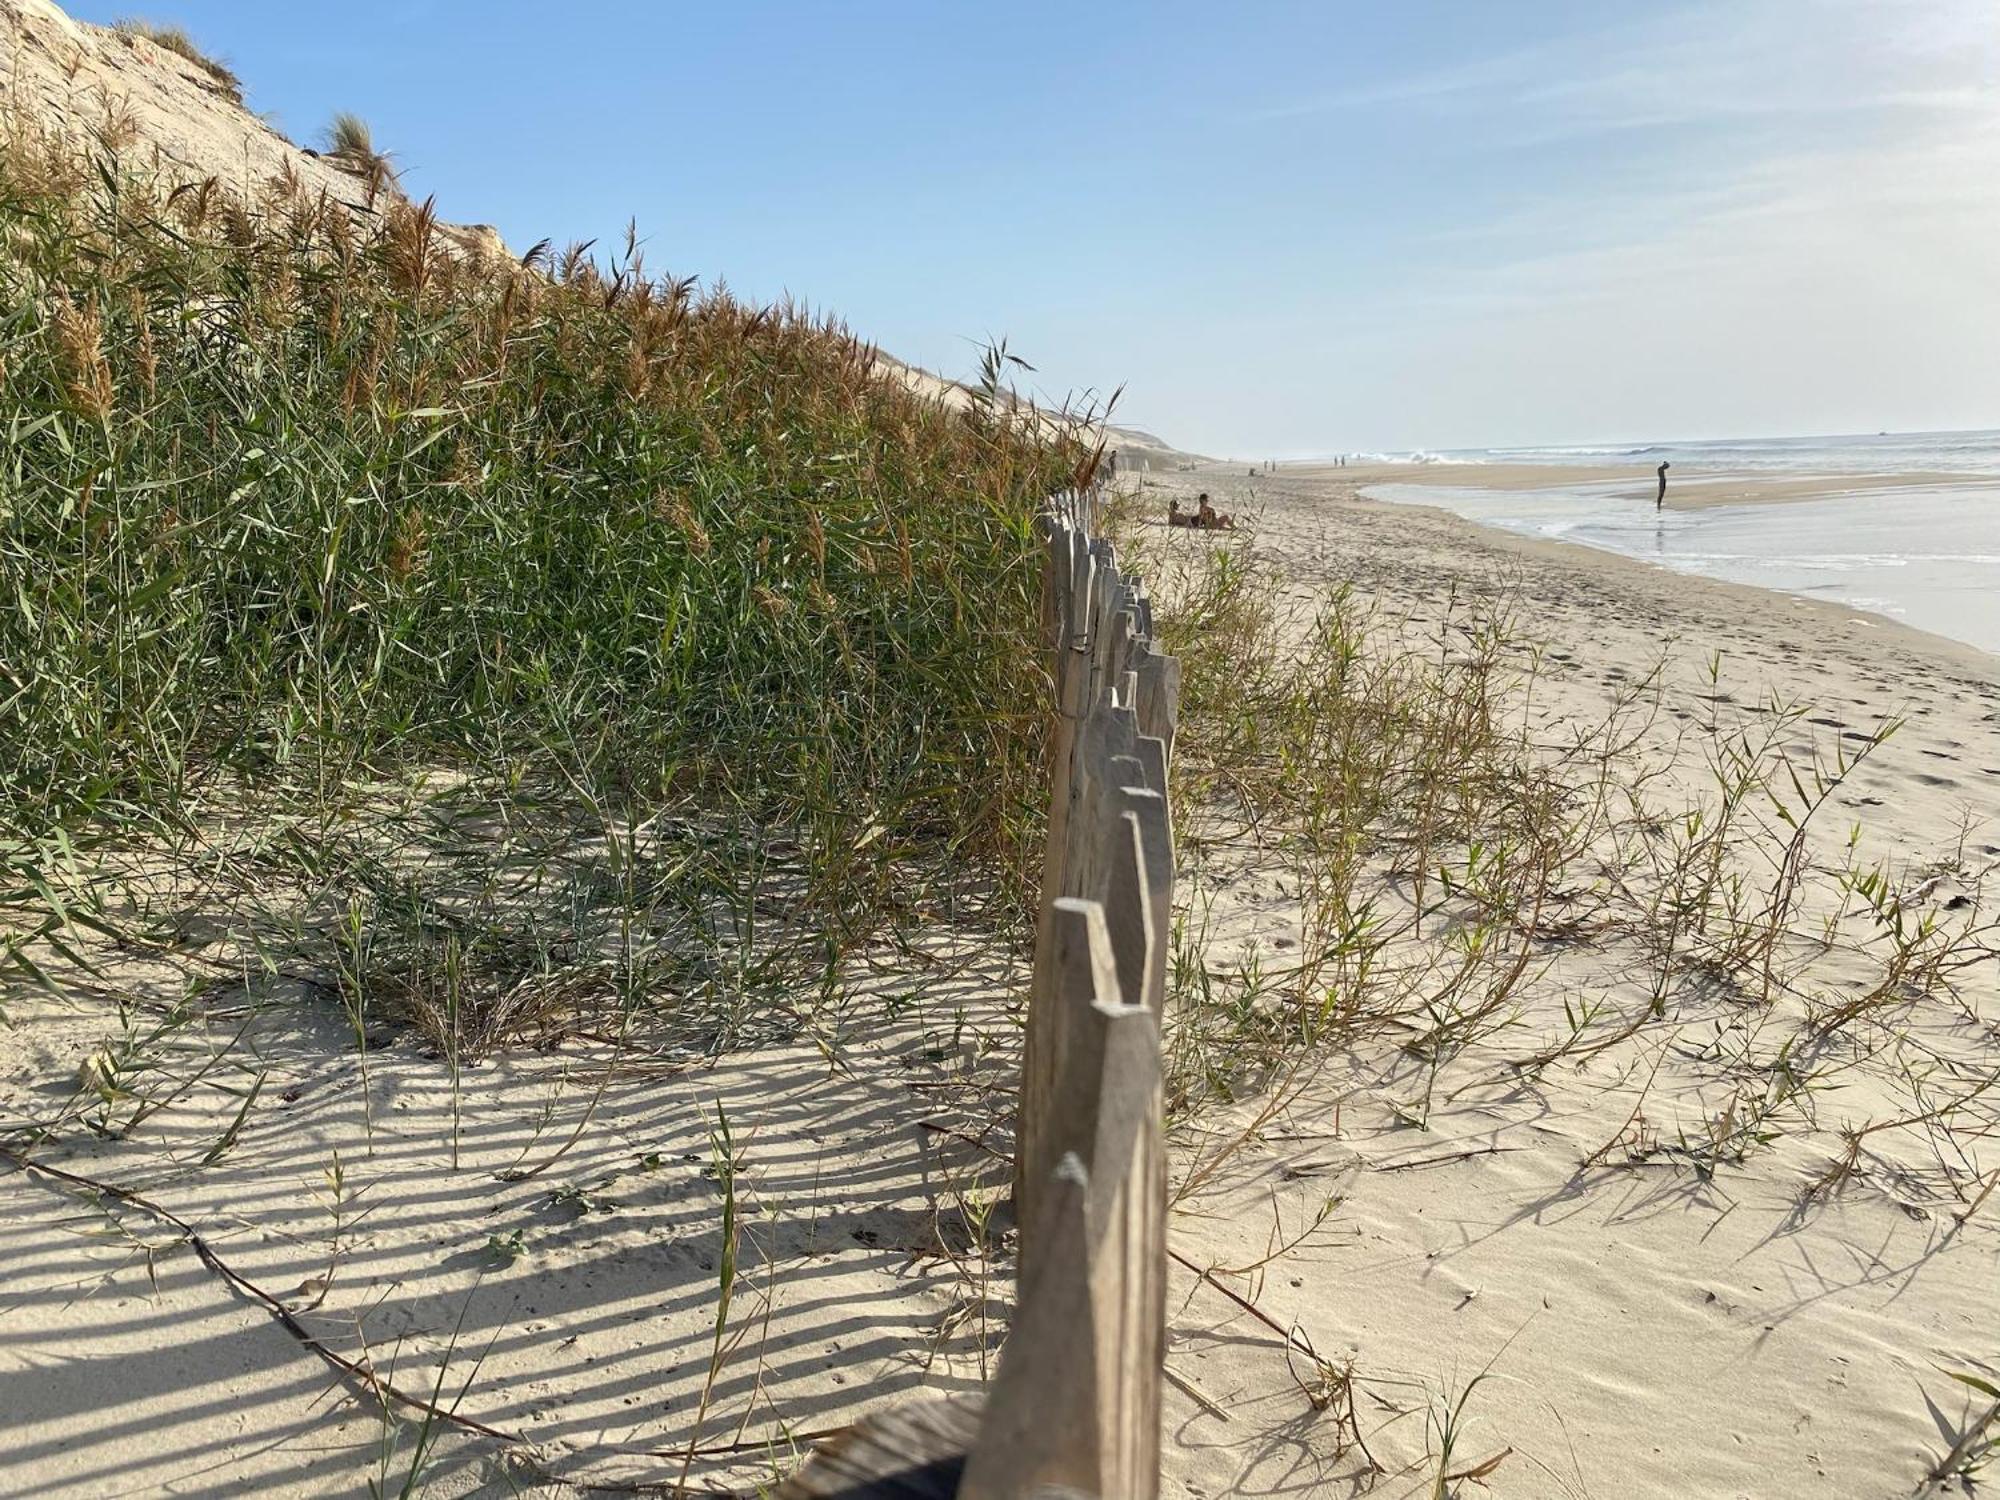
(521, 653)
(176, 40)
(1476, 897)
(1444, 850)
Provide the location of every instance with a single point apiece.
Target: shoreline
(1832, 614)
(1843, 561)
(1688, 488)
(1237, 493)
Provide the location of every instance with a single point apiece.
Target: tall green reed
(293, 507)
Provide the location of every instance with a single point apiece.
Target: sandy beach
(1647, 1325)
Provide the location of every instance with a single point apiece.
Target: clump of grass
(1423, 839)
(348, 135)
(176, 40)
(1978, 1443)
(307, 519)
(351, 143)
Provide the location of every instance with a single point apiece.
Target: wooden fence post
(1075, 1407)
(1076, 1402)
(1074, 866)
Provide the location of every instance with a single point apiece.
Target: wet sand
(1688, 488)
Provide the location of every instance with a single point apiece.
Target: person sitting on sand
(1205, 516)
(1174, 516)
(1660, 499)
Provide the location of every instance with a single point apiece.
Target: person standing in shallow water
(1660, 499)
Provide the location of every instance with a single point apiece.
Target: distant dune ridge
(1134, 446)
(100, 84)
(93, 83)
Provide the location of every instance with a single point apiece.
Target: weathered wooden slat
(1101, 644)
(1146, 806)
(1081, 972)
(1151, 754)
(1157, 697)
(1109, 734)
(1128, 909)
(1043, 1410)
(1126, 691)
(1121, 632)
(915, 1451)
(1110, 596)
(1050, 533)
(1076, 1400)
(1128, 1250)
(1080, 565)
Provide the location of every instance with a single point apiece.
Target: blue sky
(1284, 228)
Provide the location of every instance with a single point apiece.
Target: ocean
(1882, 453)
(1925, 554)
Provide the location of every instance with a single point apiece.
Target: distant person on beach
(1660, 499)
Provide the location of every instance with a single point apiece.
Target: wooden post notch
(1076, 1403)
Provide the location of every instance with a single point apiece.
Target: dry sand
(160, 111)
(545, 1242)
(1649, 1330)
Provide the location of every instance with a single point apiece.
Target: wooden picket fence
(1074, 1409)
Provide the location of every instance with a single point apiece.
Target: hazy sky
(1285, 229)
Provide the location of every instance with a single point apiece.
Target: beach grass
(176, 40)
(465, 623)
